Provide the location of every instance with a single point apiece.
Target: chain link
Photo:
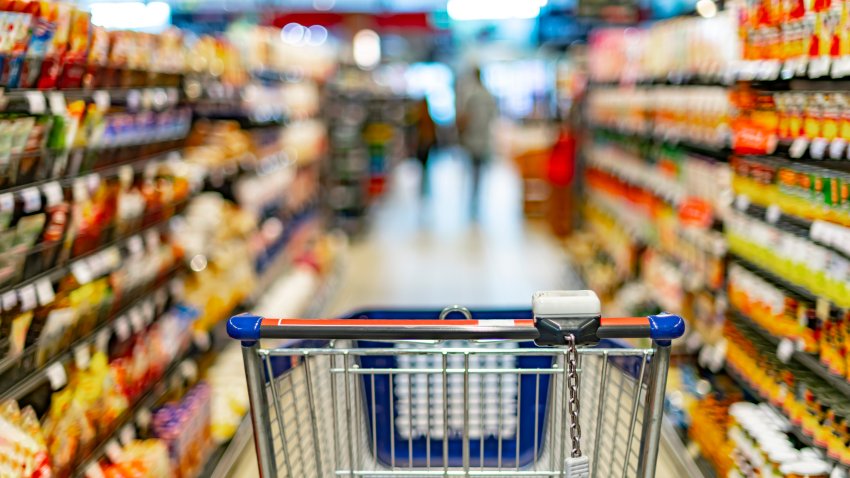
(573, 388)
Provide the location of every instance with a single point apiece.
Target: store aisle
(430, 252)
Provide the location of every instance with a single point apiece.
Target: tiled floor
(431, 253)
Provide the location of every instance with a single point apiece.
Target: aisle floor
(431, 252)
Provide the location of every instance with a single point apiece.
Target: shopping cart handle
(545, 331)
(661, 327)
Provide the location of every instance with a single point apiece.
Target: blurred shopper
(426, 139)
(476, 112)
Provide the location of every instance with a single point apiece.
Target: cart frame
(407, 326)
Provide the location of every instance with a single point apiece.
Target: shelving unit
(793, 429)
(806, 360)
(649, 105)
(222, 460)
(108, 163)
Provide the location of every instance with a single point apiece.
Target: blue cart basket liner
(519, 390)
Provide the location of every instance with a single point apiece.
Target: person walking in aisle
(476, 113)
(426, 139)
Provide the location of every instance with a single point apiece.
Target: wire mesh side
(305, 418)
(325, 412)
(613, 399)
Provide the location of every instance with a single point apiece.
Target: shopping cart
(459, 393)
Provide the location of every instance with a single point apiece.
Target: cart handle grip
(249, 328)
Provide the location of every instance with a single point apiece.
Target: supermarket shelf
(58, 272)
(686, 464)
(777, 217)
(777, 280)
(171, 379)
(41, 375)
(111, 170)
(671, 80)
(784, 151)
(807, 360)
(798, 226)
(249, 166)
(804, 84)
(221, 461)
(704, 150)
(35, 101)
(246, 119)
(794, 429)
(779, 83)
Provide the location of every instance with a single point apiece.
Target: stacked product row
(144, 198)
(754, 177)
(368, 132)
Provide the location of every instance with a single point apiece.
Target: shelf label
(32, 200)
(28, 298)
(135, 245)
(102, 100)
(93, 181)
(818, 148)
(36, 101)
(836, 148)
(772, 214)
(101, 342)
(136, 320)
(798, 148)
(113, 451)
(45, 292)
(785, 350)
(143, 418)
(82, 356)
(53, 193)
(113, 257)
(148, 311)
(9, 300)
(122, 328)
(96, 264)
(56, 375)
(839, 68)
(127, 434)
(94, 471)
(134, 99)
(82, 272)
(742, 202)
(56, 99)
(819, 67)
(7, 202)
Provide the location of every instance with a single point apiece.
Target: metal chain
(573, 388)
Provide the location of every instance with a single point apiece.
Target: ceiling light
(494, 9)
(366, 48)
(706, 8)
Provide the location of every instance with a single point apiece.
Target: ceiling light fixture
(494, 9)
